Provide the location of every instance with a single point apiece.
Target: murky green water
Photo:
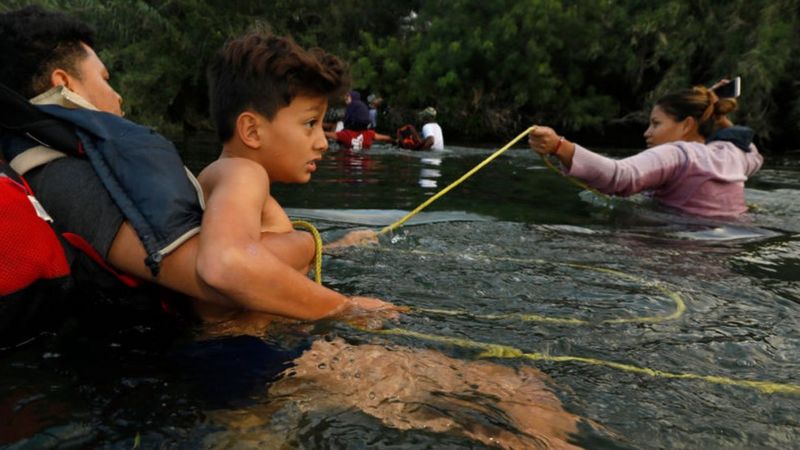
(535, 307)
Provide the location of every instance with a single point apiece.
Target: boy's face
(294, 140)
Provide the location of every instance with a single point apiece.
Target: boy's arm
(178, 271)
(221, 266)
(296, 248)
(233, 260)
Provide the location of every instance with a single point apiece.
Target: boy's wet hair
(34, 42)
(263, 72)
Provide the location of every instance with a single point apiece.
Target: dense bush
(491, 68)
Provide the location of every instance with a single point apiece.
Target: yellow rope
(472, 171)
(505, 351)
(425, 204)
(317, 247)
(574, 180)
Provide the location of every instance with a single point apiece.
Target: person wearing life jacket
(408, 138)
(356, 134)
(431, 138)
(140, 213)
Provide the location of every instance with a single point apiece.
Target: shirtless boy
(268, 100)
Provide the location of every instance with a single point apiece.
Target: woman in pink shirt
(696, 160)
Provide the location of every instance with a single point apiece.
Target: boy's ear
(247, 129)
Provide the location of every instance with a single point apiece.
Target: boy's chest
(274, 218)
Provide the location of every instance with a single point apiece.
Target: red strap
(27, 187)
(19, 183)
(82, 245)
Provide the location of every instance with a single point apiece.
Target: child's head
(264, 73)
(40, 49)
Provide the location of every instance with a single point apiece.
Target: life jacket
(140, 169)
(33, 256)
(34, 263)
(407, 137)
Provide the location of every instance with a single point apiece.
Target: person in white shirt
(431, 131)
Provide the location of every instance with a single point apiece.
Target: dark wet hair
(34, 42)
(264, 73)
(698, 102)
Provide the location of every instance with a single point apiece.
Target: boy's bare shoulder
(237, 169)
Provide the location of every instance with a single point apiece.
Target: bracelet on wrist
(558, 145)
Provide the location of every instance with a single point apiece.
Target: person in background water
(356, 114)
(697, 161)
(431, 139)
(431, 131)
(408, 138)
(356, 134)
(374, 102)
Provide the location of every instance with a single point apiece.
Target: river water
(541, 316)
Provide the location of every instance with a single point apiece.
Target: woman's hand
(544, 140)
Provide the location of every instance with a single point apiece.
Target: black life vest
(141, 170)
(35, 253)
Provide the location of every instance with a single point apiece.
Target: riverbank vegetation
(587, 67)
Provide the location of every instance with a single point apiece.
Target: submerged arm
(232, 264)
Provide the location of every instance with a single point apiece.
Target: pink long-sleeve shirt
(702, 179)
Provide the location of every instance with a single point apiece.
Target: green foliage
(490, 68)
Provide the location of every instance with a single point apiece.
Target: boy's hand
(371, 304)
(369, 312)
(357, 237)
